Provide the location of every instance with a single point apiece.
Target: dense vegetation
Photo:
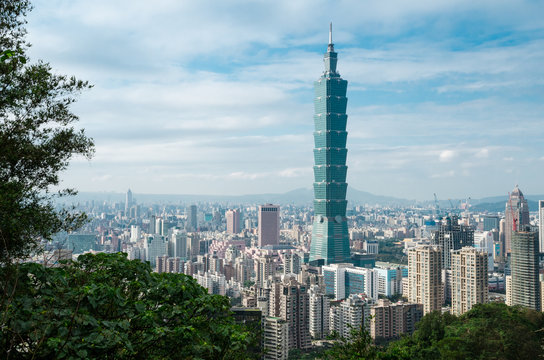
(105, 306)
(488, 331)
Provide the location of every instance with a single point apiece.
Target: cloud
(447, 155)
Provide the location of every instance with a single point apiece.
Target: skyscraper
(452, 236)
(233, 221)
(128, 202)
(541, 224)
(525, 285)
(192, 222)
(269, 225)
(330, 240)
(516, 209)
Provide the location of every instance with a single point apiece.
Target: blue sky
(215, 97)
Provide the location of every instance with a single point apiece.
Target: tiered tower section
(330, 240)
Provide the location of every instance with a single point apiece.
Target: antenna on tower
(330, 33)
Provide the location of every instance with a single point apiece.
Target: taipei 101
(271, 180)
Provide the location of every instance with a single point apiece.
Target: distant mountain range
(304, 196)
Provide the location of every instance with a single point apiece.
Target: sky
(216, 97)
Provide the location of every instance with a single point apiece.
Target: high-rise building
(424, 277)
(275, 338)
(516, 210)
(179, 244)
(525, 285)
(291, 264)
(192, 220)
(155, 246)
(330, 239)
(266, 267)
(342, 280)
(389, 320)
(452, 236)
(351, 314)
(491, 222)
(295, 309)
(233, 221)
(541, 225)
(269, 225)
(319, 313)
(128, 202)
(468, 279)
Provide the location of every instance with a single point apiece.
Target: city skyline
(443, 97)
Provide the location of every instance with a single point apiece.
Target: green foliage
(360, 346)
(105, 306)
(488, 331)
(37, 140)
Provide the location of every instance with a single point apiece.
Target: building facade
(232, 217)
(269, 225)
(516, 211)
(330, 239)
(295, 310)
(389, 321)
(424, 277)
(452, 236)
(541, 225)
(525, 285)
(275, 338)
(319, 313)
(469, 282)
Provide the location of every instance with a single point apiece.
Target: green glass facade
(330, 240)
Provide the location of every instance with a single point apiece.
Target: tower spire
(330, 48)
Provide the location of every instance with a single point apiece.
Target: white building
(319, 313)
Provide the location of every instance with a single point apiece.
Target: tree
(105, 306)
(37, 140)
(360, 346)
(487, 331)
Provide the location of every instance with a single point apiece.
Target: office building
(525, 285)
(192, 220)
(469, 284)
(275, 338)
(424, 277)
(128, 202)
(342, 280)
(233, 221)
(178, 246)
(491, 222)
(389, 321)
(269, 225)
(516, 215)
(155, 246)
(319, 313)
(330, 239)
(541, 225)
(452, 236)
